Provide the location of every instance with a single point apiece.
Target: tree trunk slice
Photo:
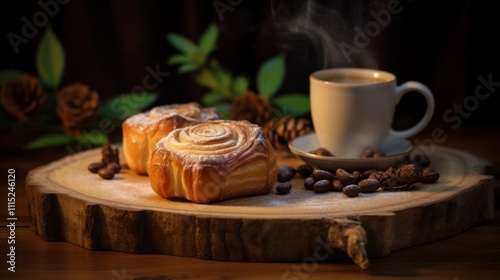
(67, 202)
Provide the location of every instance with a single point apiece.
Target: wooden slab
(69, 203)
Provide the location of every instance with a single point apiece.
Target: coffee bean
(378, 154)
(319, 174)
(114, 166)
(337, 186)
(285, 173)
(358, 176)
(94, 167)
(367, 173)
(369, 185)
(283, 188)
(309, 183)
(368, 153)
(351, 190)
(322, 152)
(322, 186)
(106, 173)
(426, 170)
(363, 176)
(305, 170)
(429, 175)
(291, 168)
(345, 177)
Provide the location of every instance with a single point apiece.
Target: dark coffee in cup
(356, 80)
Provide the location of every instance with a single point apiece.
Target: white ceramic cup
(353, 108)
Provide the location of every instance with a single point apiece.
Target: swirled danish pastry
(142, 131)
(213, 161)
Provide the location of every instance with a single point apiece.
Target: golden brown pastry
(212, 161)
(142, 131)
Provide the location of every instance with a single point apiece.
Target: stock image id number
(11, 182)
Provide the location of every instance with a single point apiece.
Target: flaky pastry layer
(212, 161)
(142, 131)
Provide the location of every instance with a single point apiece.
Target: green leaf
(271, 75)
(181, 43)
(50, 60)
(11, 74)
(125, 105)
(224, 108)
(197, 57)
(189, 67)
(293, 103)
(223, 78)
(208, 40)
(207, 79)
(50, 140)
(179, 59)
(240, 86)
(94, 137)
(213, 98)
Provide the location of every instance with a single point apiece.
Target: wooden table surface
(473, 254)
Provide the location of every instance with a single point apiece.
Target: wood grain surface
(69, 203)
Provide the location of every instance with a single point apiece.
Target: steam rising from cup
(321, 32)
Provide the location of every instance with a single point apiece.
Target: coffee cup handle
(426, 92)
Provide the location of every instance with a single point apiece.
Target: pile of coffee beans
(352, 184)
(287, 173)
(369, 153)
(109, 164)
(106, 172)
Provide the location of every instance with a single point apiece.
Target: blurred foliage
(50, 65)
(222, 86)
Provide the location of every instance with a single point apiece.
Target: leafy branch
(224, 87)
(50, 64)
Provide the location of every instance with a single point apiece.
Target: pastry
(142, 131)
(212, 161)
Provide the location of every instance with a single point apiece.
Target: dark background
(443, 44)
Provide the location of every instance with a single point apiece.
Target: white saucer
(395, 151)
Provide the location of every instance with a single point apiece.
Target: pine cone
(251, 107)
(282, 131)
(22, 97)
(77, 107)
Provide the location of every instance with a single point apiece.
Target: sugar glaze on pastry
(212, 161)
(142, 131)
